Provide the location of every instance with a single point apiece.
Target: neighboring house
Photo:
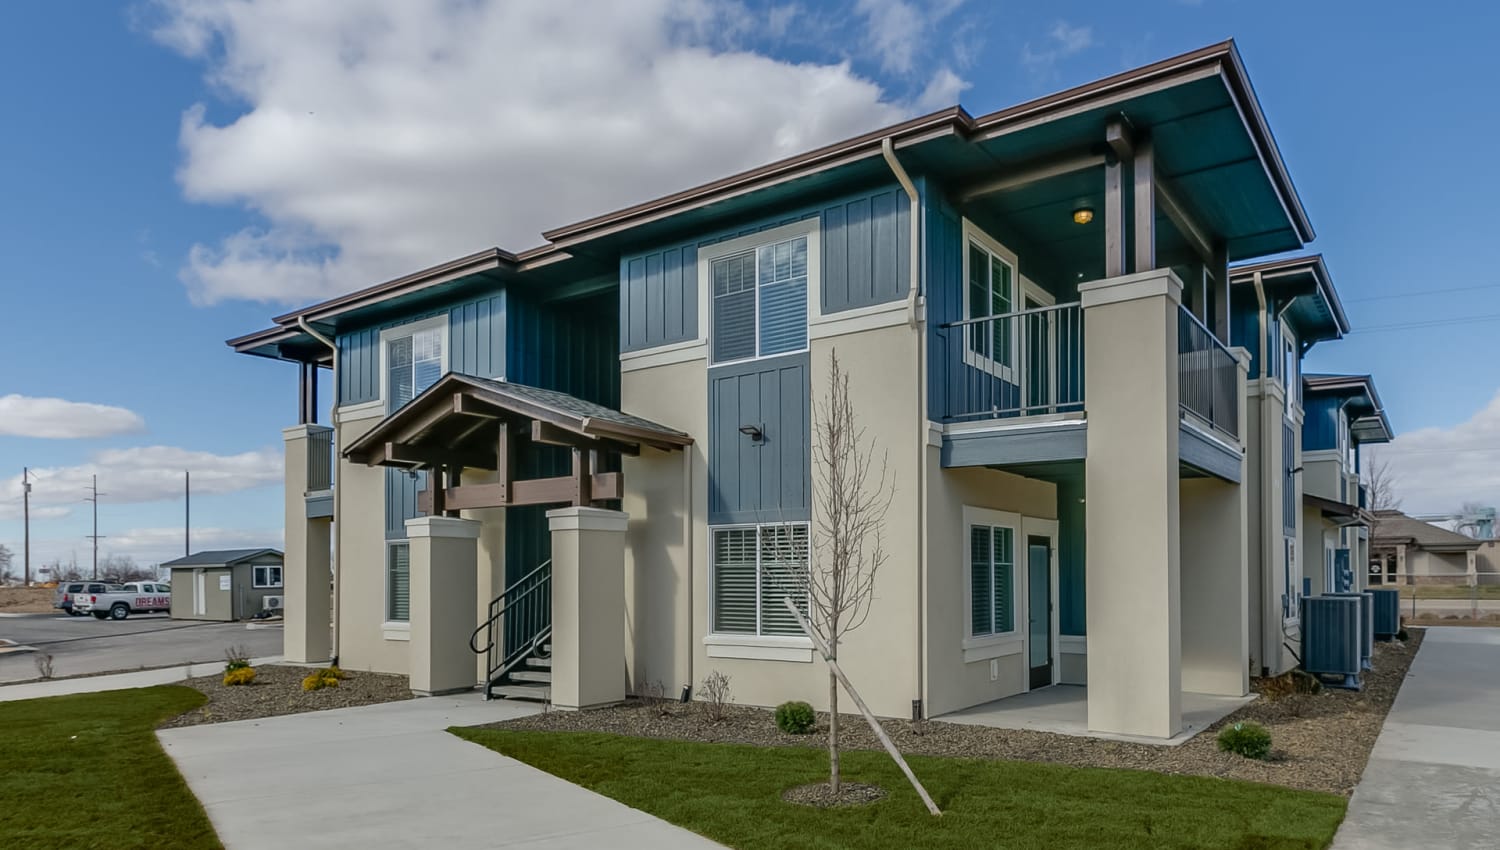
(1343, 415)
(1034, 309)
(1487, 562)
(226, 584)
(1410, 551)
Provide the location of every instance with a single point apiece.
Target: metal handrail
(524, 611)
(1207, 375)
(1042, 373)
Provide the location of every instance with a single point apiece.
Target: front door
(1039, 606)
(200, 593)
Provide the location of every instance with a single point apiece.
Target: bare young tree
(852, 491)
(1382, 483)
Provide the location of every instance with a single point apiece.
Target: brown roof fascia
(259, 338)
(486, 260)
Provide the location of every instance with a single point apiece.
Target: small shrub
(1250, 740)
(239, 676)
(236, 658)
(1403, 636)
(328, 677)
(795, 718)
(334, 673)
(652, 697)
(716, 696)
(44, 664)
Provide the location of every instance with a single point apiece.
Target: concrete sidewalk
(118, 681)
(389, 776)
(1434, 776)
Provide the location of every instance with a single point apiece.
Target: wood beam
(1196, 236)
(424, 456)
(466, 406)
(552, 435)
(538, 491)
(1220, 300)
(1143, 173)
(1026, 174)
(422, 421)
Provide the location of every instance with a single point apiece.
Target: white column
(588, 607)
(1132, 566)
(444, 559)
(306, 574)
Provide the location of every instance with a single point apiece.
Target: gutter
(338, 491)
(913, 299)
(1264, 475)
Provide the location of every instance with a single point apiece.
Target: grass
(1449, 591)
(732, 794)
(87, 771)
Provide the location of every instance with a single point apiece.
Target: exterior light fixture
(1083, 215)
(754, 432)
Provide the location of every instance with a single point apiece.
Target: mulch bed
(277, 690)
(820, 795)
(1320, 742)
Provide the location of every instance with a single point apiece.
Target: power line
(1428, 323)
(1422, 294)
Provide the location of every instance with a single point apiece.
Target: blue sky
(177, 172)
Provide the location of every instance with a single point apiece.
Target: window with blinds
(413, 363)
(760, 301)
(990, 292)
(398, 582)
(992, 569)
(754, 568)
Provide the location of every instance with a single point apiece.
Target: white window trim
(772, 645)
(385, 582)
(811, 228)
(280, 571)
(973, 516)
(438, 322)
(972, 233)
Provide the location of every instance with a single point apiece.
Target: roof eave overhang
(1291, 276)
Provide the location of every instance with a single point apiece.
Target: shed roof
(219, 557)
(1367, 418)
(1395, 527)
(1303, 290)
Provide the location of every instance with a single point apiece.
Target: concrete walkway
(1434, 776)
(389, 776)
(118, 681)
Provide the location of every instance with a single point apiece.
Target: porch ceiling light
(1083, 215)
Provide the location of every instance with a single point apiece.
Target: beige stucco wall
(952, 682)
(1321, 473)
(1422, 564)
(1215, 588)
(362, 644)
(1269, 634)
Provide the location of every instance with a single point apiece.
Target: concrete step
(532, 692)
(542, 676)
(535, 661)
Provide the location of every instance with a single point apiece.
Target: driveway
(389, 776)
(1434, 776)
(84, 645)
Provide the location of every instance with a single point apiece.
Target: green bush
(795, 718)
(1250, 740)
(1403, 636)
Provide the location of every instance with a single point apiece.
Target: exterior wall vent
(1331, 638)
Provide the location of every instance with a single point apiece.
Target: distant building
(226, 584)
(1410, 551)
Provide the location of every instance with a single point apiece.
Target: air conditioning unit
(1366, 627)
(1331, 638)
(1387, 611)
(273, 603)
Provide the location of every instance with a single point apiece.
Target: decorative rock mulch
(277, 690)
(1320, 742)
(820, 795)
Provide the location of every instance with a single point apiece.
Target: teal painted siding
(769, 480)
(1320, 428)
(865, 261)
(1072, 616)
(476, 346)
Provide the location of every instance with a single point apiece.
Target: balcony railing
(1026, 363)
(1207, 375)
(319, 460)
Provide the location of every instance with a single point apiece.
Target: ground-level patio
(1063, 710)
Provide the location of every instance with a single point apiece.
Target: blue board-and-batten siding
(767, 480)
(476, 346)
(1320, 427)
(865, 257)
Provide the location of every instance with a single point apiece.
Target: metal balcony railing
(1025, 363)
(320, 460)
(1207, 379)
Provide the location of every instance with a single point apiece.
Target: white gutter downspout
(1267, 579)
(913, 296)
(338, 491)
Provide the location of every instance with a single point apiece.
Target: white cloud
(147, 545)
(59, 419)
(1436, 470)
(898, 30)
(382, 137)
(1063, 40)
(142, 474)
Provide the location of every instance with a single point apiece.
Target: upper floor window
(989, 290)
(414, 357)
(759, 301)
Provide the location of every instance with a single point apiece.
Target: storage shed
(226, 584)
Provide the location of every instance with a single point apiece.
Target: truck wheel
(119, 611)
(74, 612)
(99, 615)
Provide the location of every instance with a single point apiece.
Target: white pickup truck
(122, 600)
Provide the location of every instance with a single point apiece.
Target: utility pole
(94, 489)
(187, 513)
(26, 521)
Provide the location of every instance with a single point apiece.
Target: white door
(200, 595)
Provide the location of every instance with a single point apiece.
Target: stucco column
(1216, 575)
(444, 559)
(1132, 558)
(306, 575)
(588, 607)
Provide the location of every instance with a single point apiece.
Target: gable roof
(1395, 527)
(219, 557)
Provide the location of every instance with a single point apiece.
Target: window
(267, 576)
(760, 301)
(414, 360)
(992, 580)
(989, 290)
(754, 568)
(1291, 372)
(398, 582)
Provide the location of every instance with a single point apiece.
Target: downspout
(888, 150)
(1267, 580)
(338, 491)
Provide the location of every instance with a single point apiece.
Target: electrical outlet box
(994, 669)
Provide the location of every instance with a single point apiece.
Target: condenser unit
(1387, 611)
(272, 603)
(1330, 638)
(1366, 627)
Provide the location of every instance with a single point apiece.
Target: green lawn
(1448, 591)
(732, 793)
(86, 771)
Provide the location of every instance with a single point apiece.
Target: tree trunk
(834, 781)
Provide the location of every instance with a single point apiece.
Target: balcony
(318, 480)
(1023, 364)
(1207, 377)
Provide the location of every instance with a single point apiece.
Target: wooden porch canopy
(468, 423)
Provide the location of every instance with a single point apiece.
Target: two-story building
(1035, 310)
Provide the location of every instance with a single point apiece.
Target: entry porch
(1064, 710)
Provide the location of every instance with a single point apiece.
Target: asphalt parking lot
(84, 645)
